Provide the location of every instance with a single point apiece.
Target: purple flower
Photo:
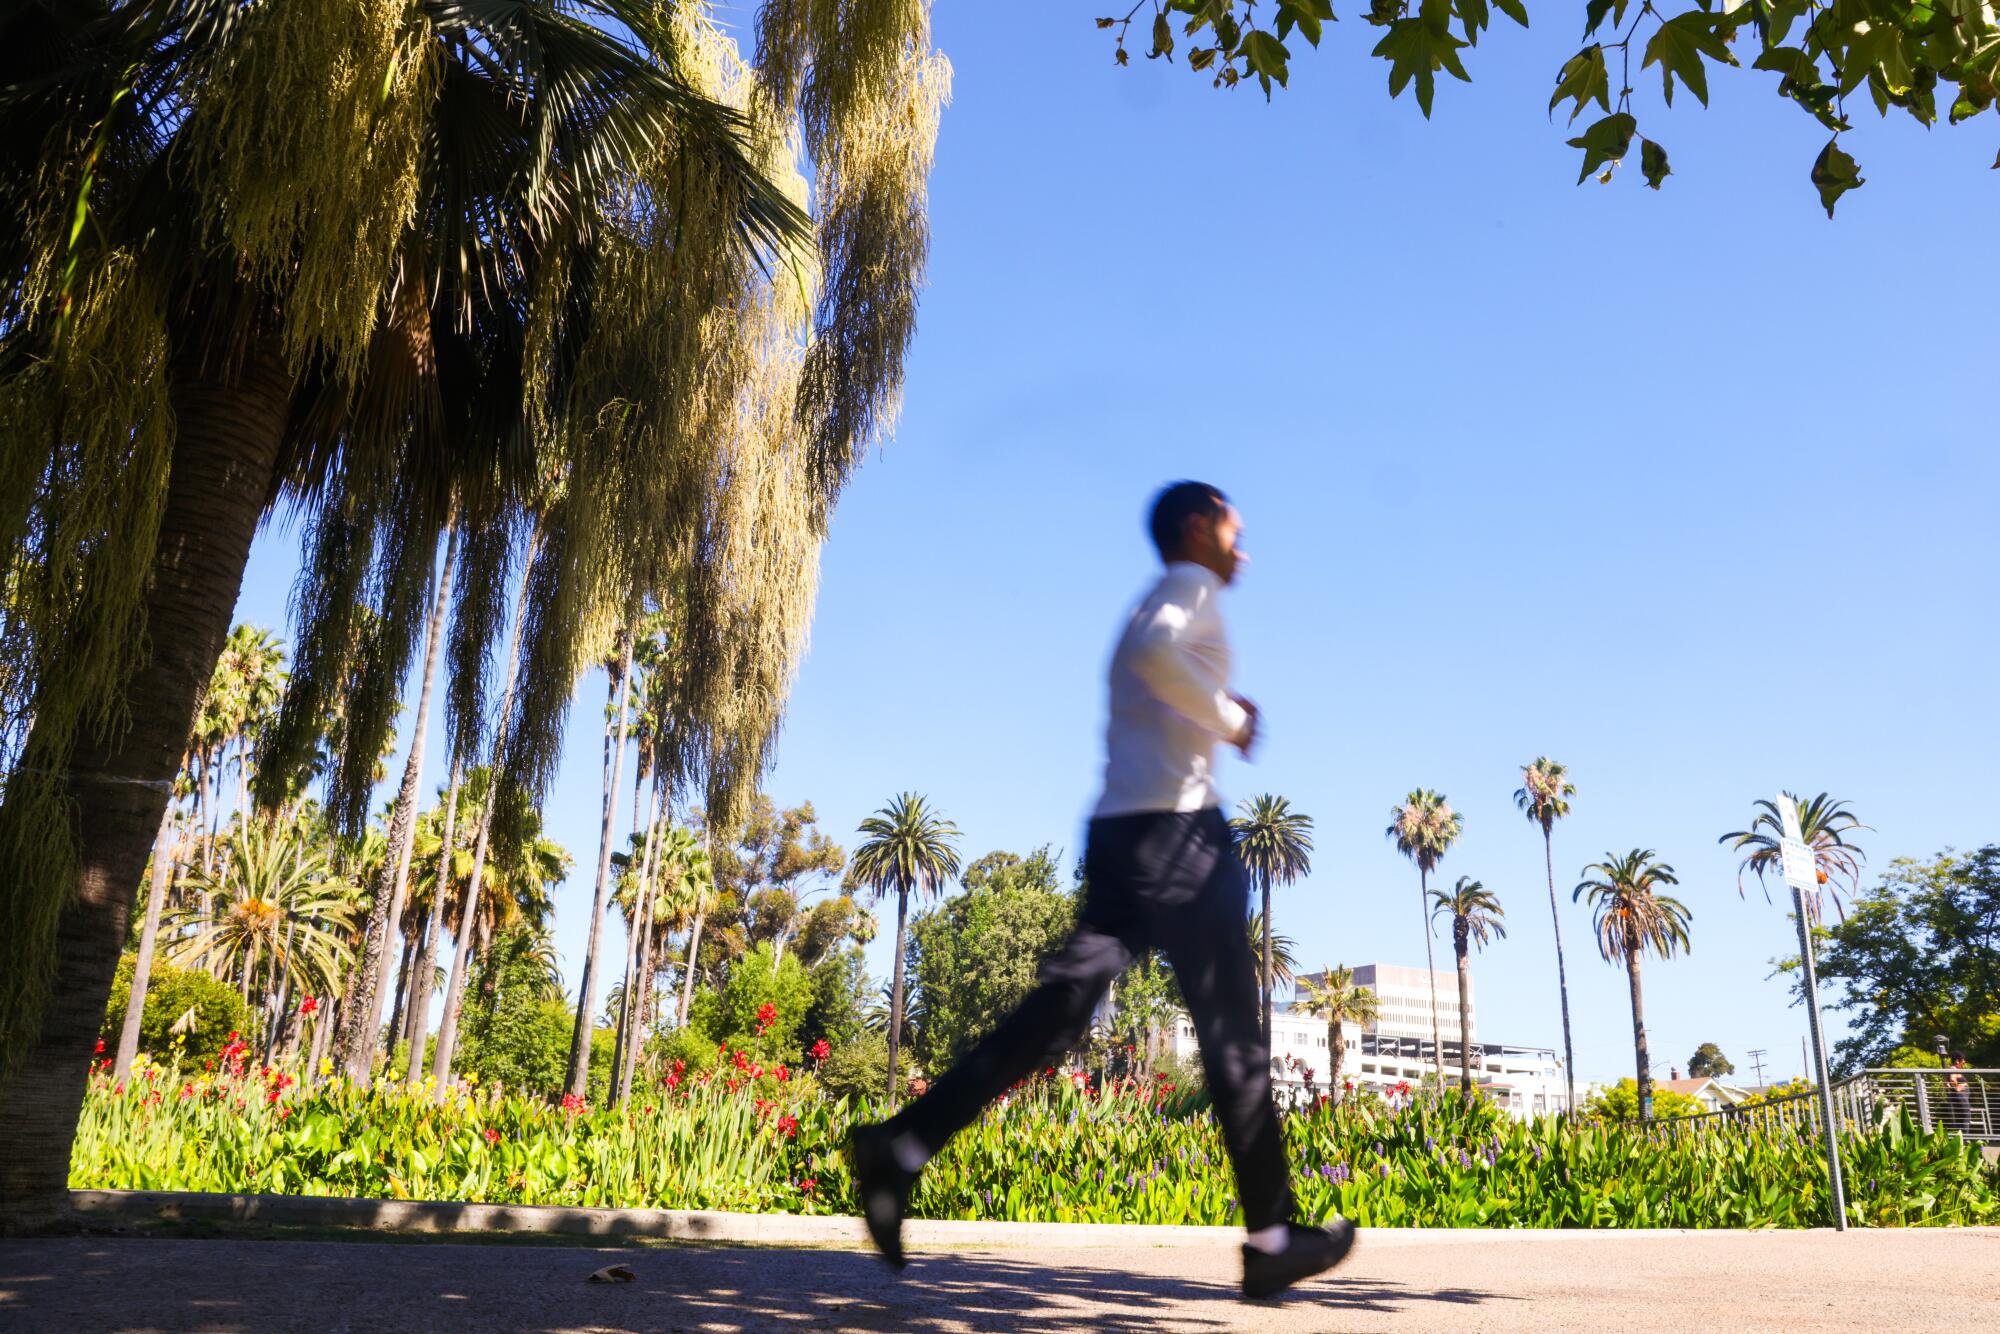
(1382, 1169)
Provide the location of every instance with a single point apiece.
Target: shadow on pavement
(84, 1284)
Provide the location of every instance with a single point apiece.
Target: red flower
(809, 1185)
(767, 1013)
(789, 1125)
(309, 1005)
(100, 1047)
(284, 1112)
(820, 1051)
(492, 1135)
(782, 1074)
(573, 1104)
(673, 1081)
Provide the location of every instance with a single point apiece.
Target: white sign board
(1801, 870)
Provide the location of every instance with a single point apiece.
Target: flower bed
(749, 1138)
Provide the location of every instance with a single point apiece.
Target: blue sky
(1690, 490)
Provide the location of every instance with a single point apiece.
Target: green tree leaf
(1653, 162)
(1678, 48)
(1835, 173)
(1267, 58)
(1514, 10)
(1584, 78)
(1605, 142)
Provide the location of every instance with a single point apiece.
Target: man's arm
(1181, 681)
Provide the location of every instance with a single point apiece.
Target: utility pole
(1803, 875)
(1757, 1060)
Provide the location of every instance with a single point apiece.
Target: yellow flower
(471, 1079)
(325, 1066)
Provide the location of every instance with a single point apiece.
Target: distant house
(1713, 1095)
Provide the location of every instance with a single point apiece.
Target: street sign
(1801, 870)
(1802, 874)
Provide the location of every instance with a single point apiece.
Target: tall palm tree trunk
(1336, 1039)
(142, 967)
(404, 976)
(1458, 941)
(392, 886)
(119, 770)
(1430, 970)
(1639, 1052)
(419, 1019)
(454, 994)
(1269, 932)
(1562, 975)
(687, 971)
(896, 992)
(639, 929)
(614, 757)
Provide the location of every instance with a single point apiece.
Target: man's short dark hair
(1174, 506)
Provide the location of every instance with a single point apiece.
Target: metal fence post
(1923, 1103)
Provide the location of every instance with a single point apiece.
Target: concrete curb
(148, 1206)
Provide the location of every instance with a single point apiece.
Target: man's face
(1212, 542)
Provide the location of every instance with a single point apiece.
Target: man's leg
(1051, 1019)
(1208, 944)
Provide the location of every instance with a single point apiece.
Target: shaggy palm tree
(617, 718)
(907, 848)
(1275, 845)
(1332, 996)
(1423, 829)
(1632, 918)
(276, 917)
(1475, 915)
(1282, 956)
(1544, 798)
(1824, 826)
(384, 257)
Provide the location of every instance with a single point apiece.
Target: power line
(1757, 1059)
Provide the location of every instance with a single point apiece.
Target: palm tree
(1544, 798)
(1632, 917)
(482, 216)
(1475, 915)
(1423, 829)
(1275, 844)
(617, 718)
(371, 978)
(1332, 996)
(1824, 824)
(281, 909)
(907, 848)
(1282, 955)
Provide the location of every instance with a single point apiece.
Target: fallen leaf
(613, 1274)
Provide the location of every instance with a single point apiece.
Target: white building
(1396, 1049)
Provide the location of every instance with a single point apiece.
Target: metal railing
(1964, 1102)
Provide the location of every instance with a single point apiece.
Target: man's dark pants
(1170, 881)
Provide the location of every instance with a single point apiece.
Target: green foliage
(731, 1016)
(170, 993)
(974, 957)
(526, 1046)
(1902, 52)
(837, 1013)
(1709, 1061)
(1918, 956)
(1047, 1152)
(1620, 1103)
(1912, 1058)
(860, 1070)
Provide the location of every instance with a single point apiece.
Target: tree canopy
(1918, 957)
(1912, 56)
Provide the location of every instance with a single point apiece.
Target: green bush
(1620, 1102)
(170, 993)
(1045, 1153)
(525, 1047)
(730, 1016)
(860, 1070)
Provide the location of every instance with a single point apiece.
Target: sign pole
(1801, 871)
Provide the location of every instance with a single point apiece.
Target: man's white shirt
(1170, 700)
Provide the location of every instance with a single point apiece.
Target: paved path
(1917, 1279)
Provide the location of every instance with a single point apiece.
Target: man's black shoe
(884, 1188)
(1308, 1251)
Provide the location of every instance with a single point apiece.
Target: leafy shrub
(733, 1016)
(1620, 1102)
(860, 1070)
(170, 993)
(525, 1047)
(1048, 1151)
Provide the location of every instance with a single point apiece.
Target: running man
(1161, 872)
